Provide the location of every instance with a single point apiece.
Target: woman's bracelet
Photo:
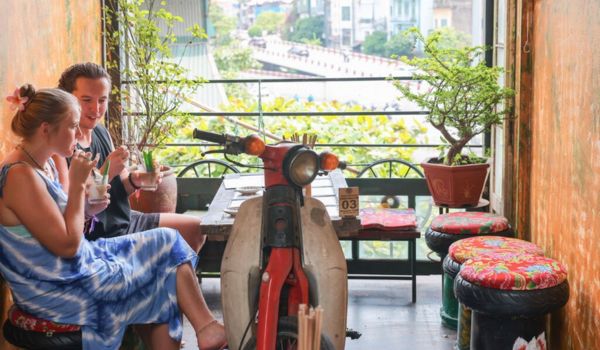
(135, 187)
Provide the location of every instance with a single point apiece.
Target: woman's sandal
(206, 326)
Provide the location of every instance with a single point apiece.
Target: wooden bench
(386, 225)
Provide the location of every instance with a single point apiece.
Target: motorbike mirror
(254, 145)
(328, 161)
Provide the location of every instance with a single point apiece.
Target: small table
(217, 224)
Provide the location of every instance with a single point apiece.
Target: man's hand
(118, 162)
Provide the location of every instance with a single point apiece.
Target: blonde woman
(55, 273)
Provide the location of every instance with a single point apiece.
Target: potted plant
(464, 99)
(156, 83)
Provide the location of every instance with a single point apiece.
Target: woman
(56, 274)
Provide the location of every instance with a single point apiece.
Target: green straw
(105, 175)
(148, 161)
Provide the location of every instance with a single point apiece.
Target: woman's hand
(92, 209)
(81, 166)
(118, 162)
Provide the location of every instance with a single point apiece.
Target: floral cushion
(469, 222)
(388, 219)
(465, 249)
(517, 272)
(28, 322)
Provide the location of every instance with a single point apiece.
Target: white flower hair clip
(17, 101)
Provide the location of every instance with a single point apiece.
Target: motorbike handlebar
(209, 136)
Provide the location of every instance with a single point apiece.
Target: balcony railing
(410, 191)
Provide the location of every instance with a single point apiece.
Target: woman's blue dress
(109, 284)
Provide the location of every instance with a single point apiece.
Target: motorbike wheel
(287, 336)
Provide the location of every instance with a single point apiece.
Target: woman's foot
(211, 336)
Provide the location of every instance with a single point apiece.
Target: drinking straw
(148, 163)
(105, 175)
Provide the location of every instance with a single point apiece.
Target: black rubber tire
(288, 329)
(451, 267)
(439, 242)
(40, 341)
(510, 303)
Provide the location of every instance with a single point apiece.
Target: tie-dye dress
(109, 284)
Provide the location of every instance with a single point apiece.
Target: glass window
(346, 37)
(345, 13)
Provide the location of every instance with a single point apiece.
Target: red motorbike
(282, 252)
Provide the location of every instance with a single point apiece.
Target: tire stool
(448, 228)
(29, 332)
(502, 248)
(510, 298)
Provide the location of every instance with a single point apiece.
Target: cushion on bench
(28, 322)
(468, 248)
(469, 222)
(388, 219)
(520, 272)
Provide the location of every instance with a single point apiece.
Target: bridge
(328, 62)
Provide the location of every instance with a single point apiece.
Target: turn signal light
(254, 145)
(329, 161)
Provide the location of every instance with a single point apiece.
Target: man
(90, 84)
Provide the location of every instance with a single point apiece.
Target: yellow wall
(38, 40)
(565, 158)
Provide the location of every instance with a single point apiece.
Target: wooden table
(217, 224)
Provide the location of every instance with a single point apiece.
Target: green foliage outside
(224, 25)
(452, 38)
(399, 45)
(329, 129)
(307, 30)
(464, 99)
(152, 100)
(230, 56)
(269, 22)
(232, 59)
(254, 32)
(374, 43)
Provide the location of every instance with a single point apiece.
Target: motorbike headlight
(301, 167)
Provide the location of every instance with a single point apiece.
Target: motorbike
(282, 251)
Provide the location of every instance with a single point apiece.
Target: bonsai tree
(464, 98)
(156, 82)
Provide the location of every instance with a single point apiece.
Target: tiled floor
(381, 311)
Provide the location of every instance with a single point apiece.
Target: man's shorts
(142, 222)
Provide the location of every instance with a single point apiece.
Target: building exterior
(349, 22)
(457, 14)
(249, 10)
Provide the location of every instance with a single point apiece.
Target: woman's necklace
(42, 168)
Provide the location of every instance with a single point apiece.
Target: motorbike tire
(287, 330)
(40, 341)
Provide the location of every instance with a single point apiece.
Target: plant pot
(456, 186)
(163, 200)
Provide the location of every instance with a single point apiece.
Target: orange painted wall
(565, 153)
(38, 40)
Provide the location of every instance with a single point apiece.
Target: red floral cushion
(28, 322)
(469, 222)
(388, 219)
(465, 249)
(518, 272)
